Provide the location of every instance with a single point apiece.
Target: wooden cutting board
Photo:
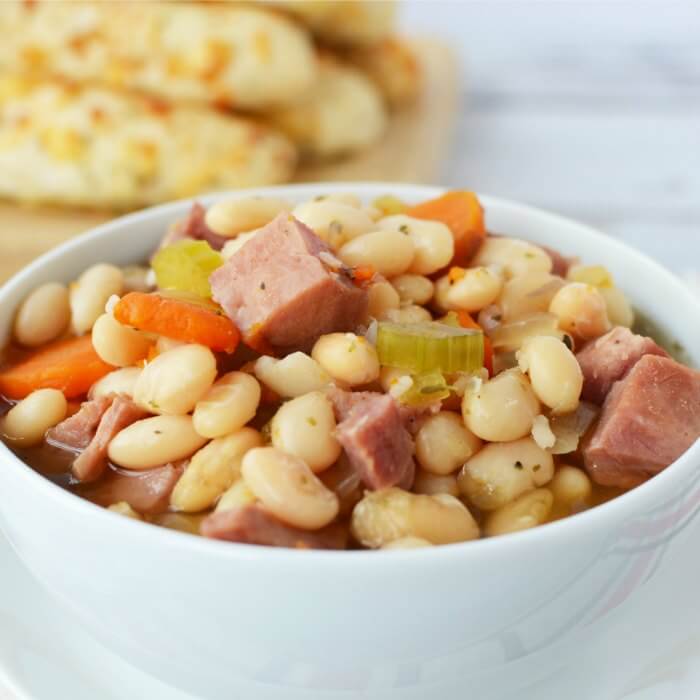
(413, 150)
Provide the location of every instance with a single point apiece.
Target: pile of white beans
(485, 464)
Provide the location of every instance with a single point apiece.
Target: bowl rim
(613, 510)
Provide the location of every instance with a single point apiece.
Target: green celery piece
(186, 266)
(430, 347)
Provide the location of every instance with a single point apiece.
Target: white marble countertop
(591, 109)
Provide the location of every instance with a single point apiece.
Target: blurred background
(591, 109)
(588, 108)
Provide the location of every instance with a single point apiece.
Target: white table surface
(588, 108)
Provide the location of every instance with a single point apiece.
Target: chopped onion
(542, 433)
(425, 389)
(371, 332)
(570, 428)
(429, 347)
(510, 336)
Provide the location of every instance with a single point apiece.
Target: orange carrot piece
(455, 274)
(177, 319)
(362, 274)
(466, 321)
(71, 366)
(462, 213)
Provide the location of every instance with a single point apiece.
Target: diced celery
(430, 347)
(186, 266)
(426, 388)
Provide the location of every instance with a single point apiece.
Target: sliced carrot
(466, 321)
(177, 319)
(255, 340)
(362, 274)
(462, 213)
(455, 274)
(71, 366)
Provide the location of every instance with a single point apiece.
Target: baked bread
(100, 148)
(235, 56)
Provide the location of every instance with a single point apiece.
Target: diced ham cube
(252, 524)
(277, 287)
(146, 492)
(376, 441)
(649, 419)
(560, 264)
(608, 359)
(92, 461)
(76, 432)
(194, 227)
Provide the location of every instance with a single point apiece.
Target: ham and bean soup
(339, 374)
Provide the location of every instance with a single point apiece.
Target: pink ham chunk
(608, 359)
(76, 432)
(194, 227)
(252, 524)
(92, 461)
(146, 492)
(374, 438)
(277, 287)
(649, 419)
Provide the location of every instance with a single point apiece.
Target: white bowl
(498, 617)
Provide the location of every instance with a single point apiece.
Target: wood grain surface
(413, 149)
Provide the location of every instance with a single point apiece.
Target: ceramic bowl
(516, 616)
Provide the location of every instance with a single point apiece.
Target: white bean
(89, 295)
(619, 310)
(343, 197)
(334, 222)
(515, 256)
(43, 315)
(155, 441)
(236, 496)
(413, 289)
(527, 511)
(175, 381)
(444, 444)
(26, 423)
(233, 216)
(385, 516)
(501, 409)
(123, 508)
(430, 484)
(304, 427)
(388, 252)
(212, 470)
(501, 471)
(581, 310)
(440, 296)
(528, 294)
(294, 375)
(235, 244)
(136, 279)
(407, 543)
(288, 488)
(477, 288)
(164, 344)
(119, 345)
(572, 490)
(381, 298)
(121, 381)
(408, 314)
(554, 371)
(433, 241)
(230, 403)
(347, 357)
